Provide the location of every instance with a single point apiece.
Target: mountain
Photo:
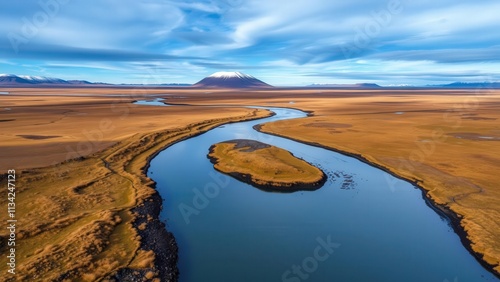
(358, 85)
(42, 80)
(470, 85)
(231, 80)
(13, 80)
(81, 82)
(20, 80)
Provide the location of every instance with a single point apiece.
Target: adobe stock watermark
(233, 3)
(95, 138)
(425, 148)
(454, 280)
(201, 197)
(418, 155)
(365, 34)
(31, 26)
(303, 270)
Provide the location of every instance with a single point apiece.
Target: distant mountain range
(469, 85)
(357, 85)
(451, 85)
(20, 80)
(218, 80)
(231, 80)
(13, 80)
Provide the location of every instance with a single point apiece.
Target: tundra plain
(80, 156)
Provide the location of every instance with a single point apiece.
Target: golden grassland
(428, 136)
(265, 166)
(41, 127)
(434, 137)
(75, 218)
(443, 142)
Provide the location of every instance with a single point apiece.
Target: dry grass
(412, 133)
(415, 136)
(79, 125)
(96, 194)
(265, 166)
(74, 217)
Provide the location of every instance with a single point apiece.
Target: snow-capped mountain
(231, 80)
(12, 79)
(42, 79)
(230, 74)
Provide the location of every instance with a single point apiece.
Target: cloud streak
(194, 38)
(65, 53)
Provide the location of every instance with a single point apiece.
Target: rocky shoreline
(156, 238)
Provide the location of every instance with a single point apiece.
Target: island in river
(264, 166)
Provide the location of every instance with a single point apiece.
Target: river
(362, 225)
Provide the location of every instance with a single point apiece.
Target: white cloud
(106, 24)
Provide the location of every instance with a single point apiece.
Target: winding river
(362, 225)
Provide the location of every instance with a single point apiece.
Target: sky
(282, 42)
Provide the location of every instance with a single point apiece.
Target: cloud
(64, 53)
(304, 36)
(228, 66)
(106, 24)
(69, 66)
(207, 7)
(443, 55)
(405, 75)
(322, 32)
(201, 38)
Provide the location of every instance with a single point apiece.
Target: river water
(362, 225)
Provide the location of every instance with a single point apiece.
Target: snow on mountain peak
(32, 78)
(29, 77)
(39, 78)
(230, 74)
(226, 79)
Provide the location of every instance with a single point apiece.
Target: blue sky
(282, 42)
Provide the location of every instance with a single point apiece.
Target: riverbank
(457, 220)
(153, 233)
(102, 208)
